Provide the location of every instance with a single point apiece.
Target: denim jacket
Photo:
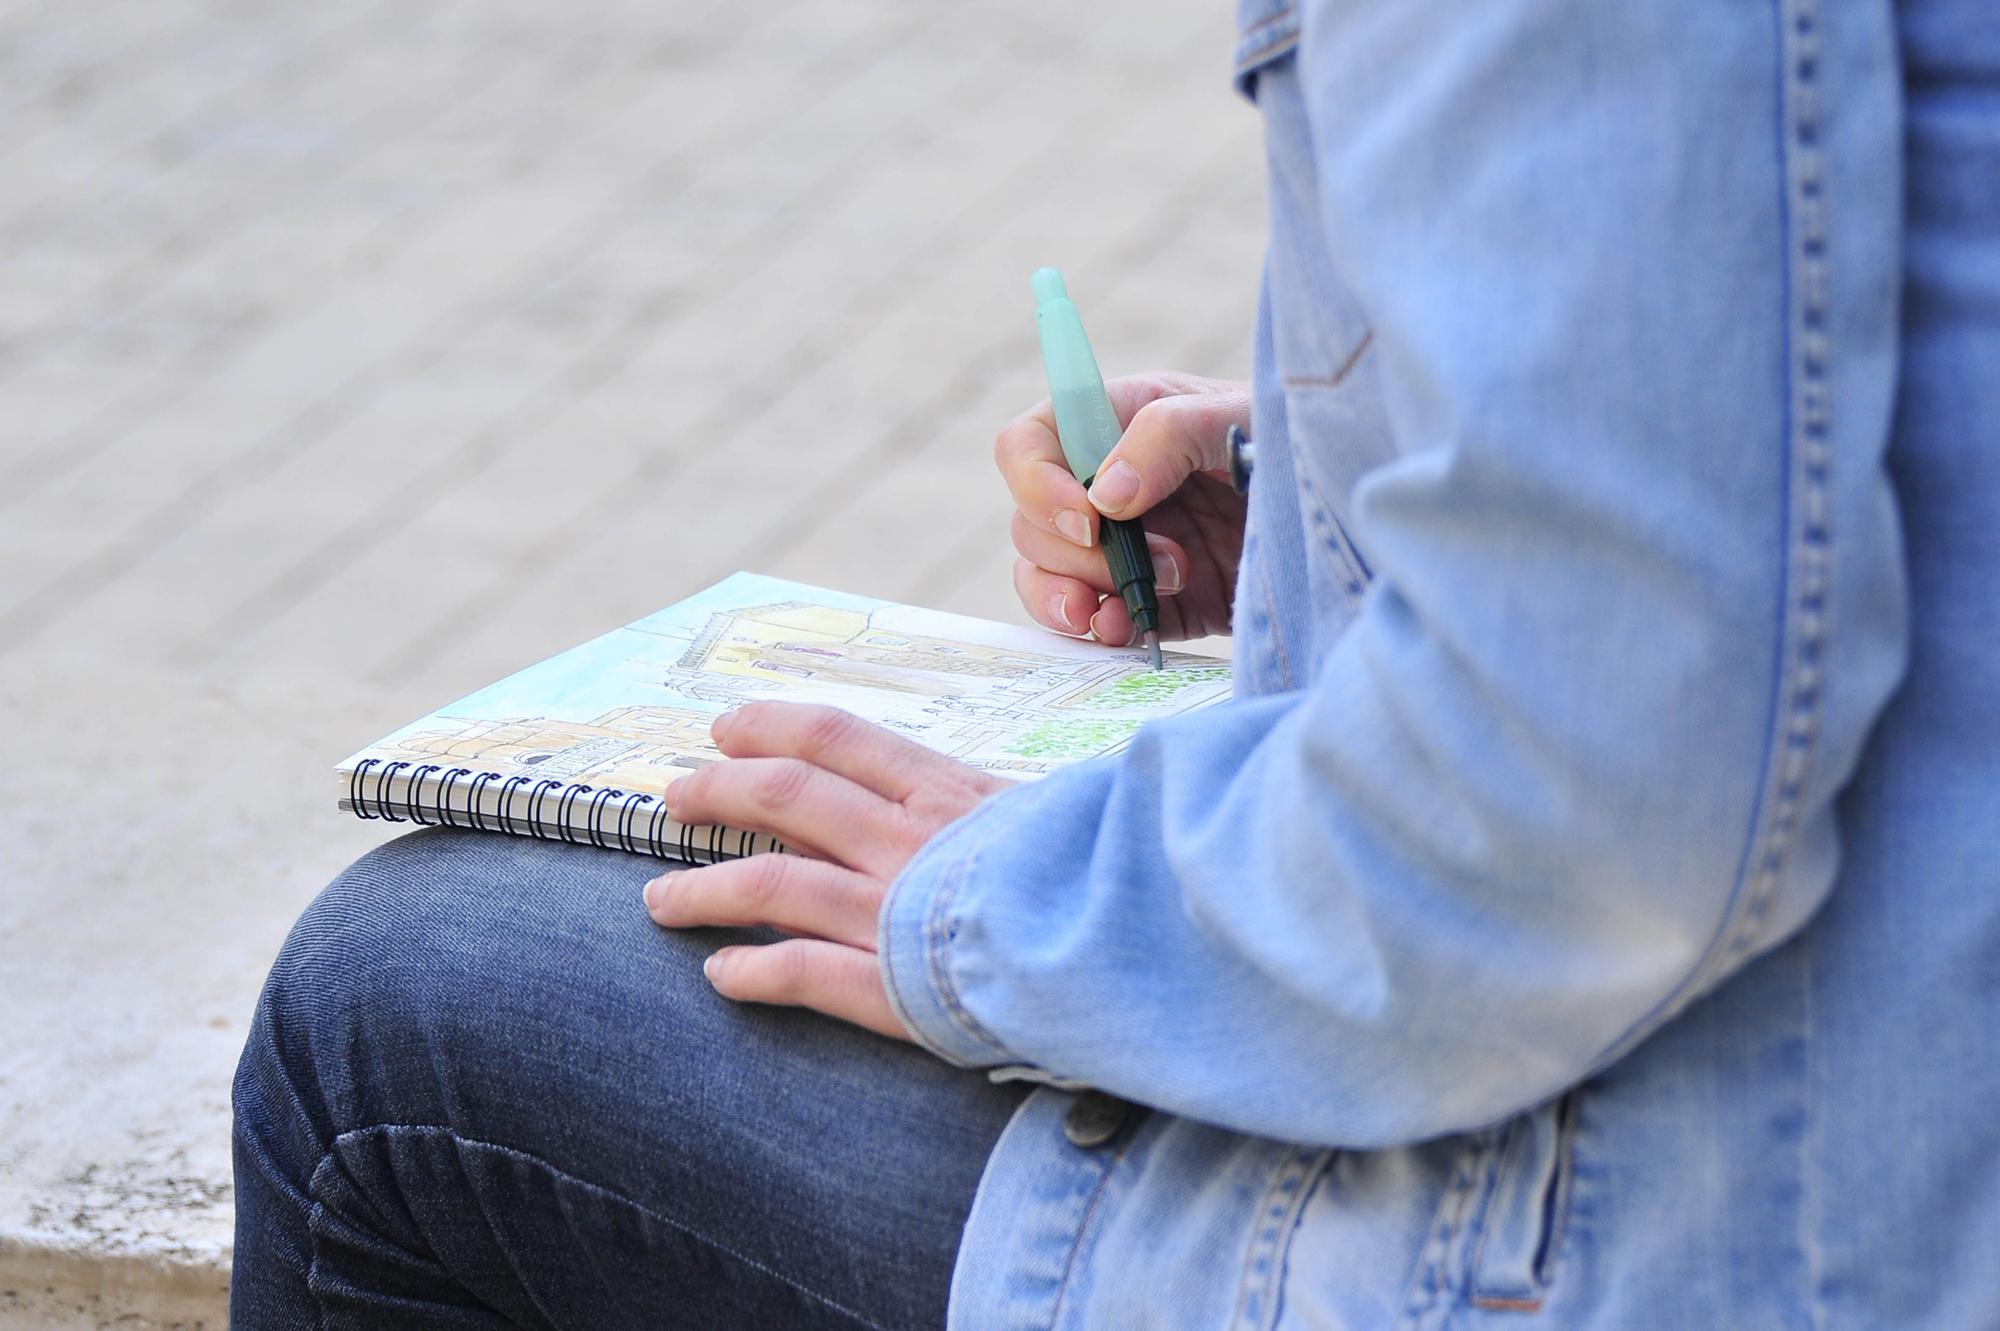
(1588, 913)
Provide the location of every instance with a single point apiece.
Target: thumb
(1169, 439)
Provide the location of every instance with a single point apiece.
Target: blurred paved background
(353, 355)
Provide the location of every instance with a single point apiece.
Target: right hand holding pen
(1171, 466)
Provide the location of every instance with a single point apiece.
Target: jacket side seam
(1808, 459)
(1804, 528)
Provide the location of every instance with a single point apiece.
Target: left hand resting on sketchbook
(855, 802)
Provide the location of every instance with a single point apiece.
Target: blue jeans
(483, 1089)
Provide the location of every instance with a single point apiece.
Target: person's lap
(484, 1089)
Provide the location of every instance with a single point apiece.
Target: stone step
(351, 357)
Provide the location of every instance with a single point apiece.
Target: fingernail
(720, 726)
(708, 966)
(1166, 574)
(672, 793)
(656, 890)
(1074, 526)
(1117, 485)
(1059, 609)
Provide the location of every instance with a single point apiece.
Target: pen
(1087, 427)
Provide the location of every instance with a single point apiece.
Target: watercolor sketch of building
(1006, 709)
(795, 642)
(550, 748)
(633, 748)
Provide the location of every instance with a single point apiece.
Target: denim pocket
(1520, 1219)
(1338, 434)
(1347, 571)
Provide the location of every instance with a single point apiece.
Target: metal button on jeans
(1095, 1119)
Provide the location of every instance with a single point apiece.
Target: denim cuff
(917, 934)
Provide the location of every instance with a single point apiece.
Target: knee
(381, 975)
(381, 939)
(349, 982)
(444, 967)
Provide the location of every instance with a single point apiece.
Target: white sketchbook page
(631, 709)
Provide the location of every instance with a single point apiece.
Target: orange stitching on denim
(1266, 22)
(1494, 1303)
(1277, 46)
(1335, 379)
(1269, 52)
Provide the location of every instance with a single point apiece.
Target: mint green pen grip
(1085, 422)
(1088, 428)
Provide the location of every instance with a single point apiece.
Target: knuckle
(767, 883)
(828, 729)
(1150, 414)
(791, 972)
(924, 815)
(1152, 426)
(1014, 445)
(780, 785)
(1173, 429)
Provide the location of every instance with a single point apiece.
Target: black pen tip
(1153, 646)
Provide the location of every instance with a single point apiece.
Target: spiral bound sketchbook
(582, 747)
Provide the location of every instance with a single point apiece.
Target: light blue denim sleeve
(1637, 599)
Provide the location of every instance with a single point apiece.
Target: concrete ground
(354, 355)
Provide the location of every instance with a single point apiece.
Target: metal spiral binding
(601, 810)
